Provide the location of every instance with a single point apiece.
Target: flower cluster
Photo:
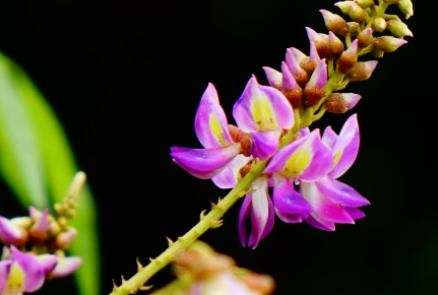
(302, 166)
(34, 246)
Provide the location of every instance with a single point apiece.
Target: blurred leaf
(52, 158)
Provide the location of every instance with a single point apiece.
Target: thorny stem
(213, 218)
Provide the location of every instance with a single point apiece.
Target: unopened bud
(399, 28)
(353, 28)
(379, 24)
(348, 58)
(12, 234)
(63, 240)
(365, 38)
(40, 229)
(334, 22)
(365, 3)
(391, 1)
(377, 53)
(344, 6)
(357, 13)
(340, 103)
(336, 45)
(406, 7)
(362, 70)
(321, 42)
(388, 43)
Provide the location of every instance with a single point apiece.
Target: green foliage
(38, 164)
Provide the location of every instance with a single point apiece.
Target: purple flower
(23, 272)
(332, 200)
(212, 130)
(264, 112)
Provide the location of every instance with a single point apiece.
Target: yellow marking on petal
(297, 163)
(16, 277)
(337, 157)
(217, 131)
(263, 114)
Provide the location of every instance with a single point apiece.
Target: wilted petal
(262, 108)
(227, 178)
(204, 163)
(32, 268)
(211, 124)
(66, 266)
(346, 147)
(340, 192)
(324, 209)
(265, 143)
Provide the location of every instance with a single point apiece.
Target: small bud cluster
(40, 239)
(201, 270)
(364, 29)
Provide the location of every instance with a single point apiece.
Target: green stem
(211, 220)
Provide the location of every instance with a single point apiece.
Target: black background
(125, 78)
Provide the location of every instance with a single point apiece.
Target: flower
(212, 130)
(23, 272)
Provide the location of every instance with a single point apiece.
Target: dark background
(125, 78)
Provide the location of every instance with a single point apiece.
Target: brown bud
(365, 37)
(336, 45)
(336, 104)
(241, 137)
(353, 28)
(334, 22)
(308, 65)
(362, 70)
(348, 58)
(312, 95)
(294, 96)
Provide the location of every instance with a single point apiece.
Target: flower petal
(340, 192)
(32, 268)
(66, 266)
(5, 265)
(324, 209)
(204, 163)
(227, 178)
(48, 262)
(287, 200)
(265, 143)
(244, 214)
(346, 147)
(211, 124)
(262, 108)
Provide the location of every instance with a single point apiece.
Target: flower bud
(348, 58)
(315, 88)
(406, 7)
(40, 229)
(321, 42)
(353, 28)
(379, 24)
(357, 13)
(241, 137)
(12, 234)
(334, 22)
(377, 53)
(398, 28)
(388, 43)
(344, 6)
(335, 44)
(365, 38)
(362, 70)
(365, 3)
(293, 63)
(339, 103)
(63, 240)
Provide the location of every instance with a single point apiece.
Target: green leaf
(52, 159)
